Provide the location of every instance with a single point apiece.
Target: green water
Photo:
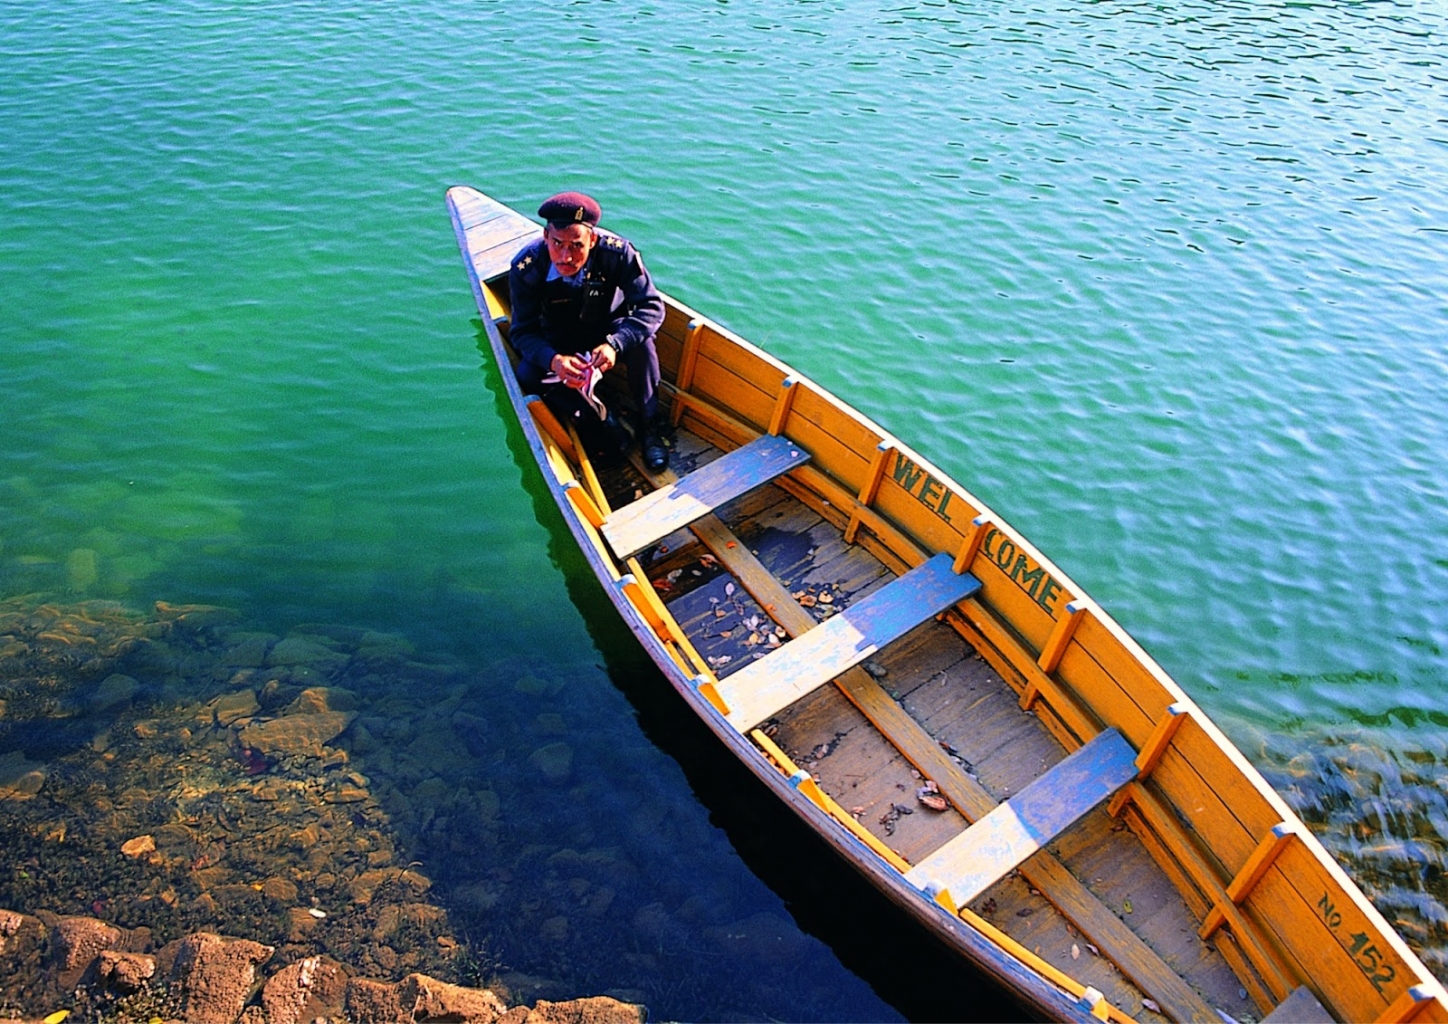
(1164, 284)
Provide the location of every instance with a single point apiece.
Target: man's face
(569, 247)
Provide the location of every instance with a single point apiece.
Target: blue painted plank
(654, 516)
(1005, 838)
(763, 688)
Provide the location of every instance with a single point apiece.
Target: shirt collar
(554, 275)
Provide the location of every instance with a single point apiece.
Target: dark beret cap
(570, 208)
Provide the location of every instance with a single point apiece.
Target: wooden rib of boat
(869, 639)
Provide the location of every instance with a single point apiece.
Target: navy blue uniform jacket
(615, 302)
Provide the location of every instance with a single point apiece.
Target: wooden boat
(870, 639)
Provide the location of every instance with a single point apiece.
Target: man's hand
(605, 357)
(571, 370)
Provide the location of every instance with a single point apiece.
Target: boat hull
(1260, 894)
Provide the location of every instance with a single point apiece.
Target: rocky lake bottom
(333, 793)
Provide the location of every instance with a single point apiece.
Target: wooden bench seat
(1013, 831)
(762, 689)
(656, 515)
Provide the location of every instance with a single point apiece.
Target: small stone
(280, 889)
(536, 687)
(345, 794)
(125, 972)
(19, 779)
(426, 998)
(296, 734)
(114, 689)
(234, 706)
(296, 650)
(139, 846)
(593, 1009)
(554, 761)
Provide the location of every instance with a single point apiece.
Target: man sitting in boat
(582, 301)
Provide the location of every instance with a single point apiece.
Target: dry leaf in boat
(708, 561)
(752, 640)
(934, 801)
(773, 640)
(1075, 951)
(1152, 1005)
(720, 613)
(856, 811)
(673, 577)
(1126, 905)
(807, 600)
(826, 597)
(728, 589)
(1094, 950)
(726, 633)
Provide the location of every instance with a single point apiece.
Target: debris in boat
(719, 613)
(1075, 951)
(878, 671)
(826, 597)
(752, 640)
(890, 817)
(726, 633)
(855, 812)
(988, 907)
(1094, 950)
(824, 750)
(728, 589)
(1152, 1005)
(770, 728)
(929, 795)
(806, 600)
(1126, 905)
(773, 640)
(673, 577)
(719, 659)
(708, 561)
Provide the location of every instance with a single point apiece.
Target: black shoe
(655, 452)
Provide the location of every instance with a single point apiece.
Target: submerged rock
(20, 779)
(554, 761)
(216, 975)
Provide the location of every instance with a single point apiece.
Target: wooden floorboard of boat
(1012, 750)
